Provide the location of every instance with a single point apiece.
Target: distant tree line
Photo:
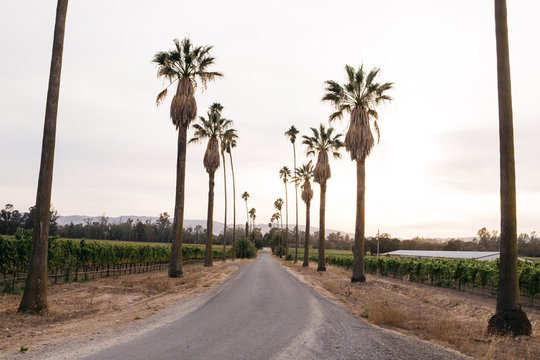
(160, 230)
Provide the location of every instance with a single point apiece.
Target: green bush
(244, 248)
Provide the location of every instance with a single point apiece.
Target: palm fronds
(358, 96)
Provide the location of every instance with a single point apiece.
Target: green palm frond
(185, 61)
(358, 97)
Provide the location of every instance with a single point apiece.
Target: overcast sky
(434, 172)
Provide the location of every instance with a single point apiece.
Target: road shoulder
(85, 317)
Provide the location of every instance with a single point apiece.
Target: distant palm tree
(285, 174)
(291, 133)
(305, 174)
(252, 215)
(322, 142)
(278, 205)
(245, 196)
(229, 145)
(275, 217)
(359, 97)
(34, 297)
(186, 64)
(210, 128)
(225, 137)
(508, 318)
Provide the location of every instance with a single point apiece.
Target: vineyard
(73, 260)
(455, 273)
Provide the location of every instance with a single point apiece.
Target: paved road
(263, 312)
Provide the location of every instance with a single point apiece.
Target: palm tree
(229, 145)
(508, 318)
(278, 205)
(359, 97)
(34, 298)
(285, 174)
(225, 137)
(245, 196)
(305, 174)
(291, 133)
(275, 217)
(252, 212)
(186, 64)
(322, 142)
(211, 129)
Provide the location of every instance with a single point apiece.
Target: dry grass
(451, 318)
(98, 306)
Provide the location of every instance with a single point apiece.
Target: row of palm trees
(187, 66)
(358, 97)
(321, 142)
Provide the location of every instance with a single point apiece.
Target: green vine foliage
(454, 273)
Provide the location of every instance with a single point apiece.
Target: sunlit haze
(434, 173)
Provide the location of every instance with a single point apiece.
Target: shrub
(244, 248)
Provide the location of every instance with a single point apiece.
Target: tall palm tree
(359, 97)
(322, 142)
(229, 145)
(278, 205)
(245, 197)
(252, 212)
(185, 64)
(210, 128)
(285, 174)
(508, 318)
(305, 174)
(225, 137)
(34, 298)
(291, 133)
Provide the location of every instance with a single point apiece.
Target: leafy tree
(10, 220)
(210, 128)
(305, 174)
(185, 65)
(34, 298)
(508, 318)
(322, 142)
(291, 133)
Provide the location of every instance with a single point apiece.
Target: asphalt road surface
(263, 312)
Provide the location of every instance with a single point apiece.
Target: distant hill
(218, 226)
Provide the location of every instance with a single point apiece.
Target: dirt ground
(103, 305)
(451, 318)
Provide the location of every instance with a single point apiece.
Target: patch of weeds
(23, 349)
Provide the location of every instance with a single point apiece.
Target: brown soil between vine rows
(102, 305)
(448, 317)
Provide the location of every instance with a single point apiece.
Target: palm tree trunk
(35, 291)
(209, 221)
(306, 241)
(281, 239)
(234, 207)
(296, 195)
(508, 318)
(322, 264)
(247, 220)
(358, 262)
(225, 221)
(286, 223)
(175, 267)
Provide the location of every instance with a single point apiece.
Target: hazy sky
(434, 173)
